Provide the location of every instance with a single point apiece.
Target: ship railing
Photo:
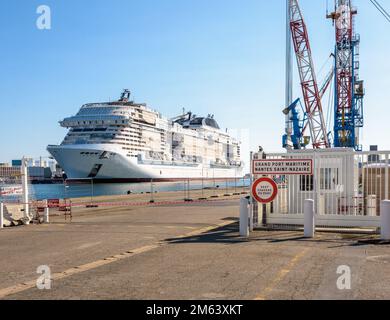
(168, 163)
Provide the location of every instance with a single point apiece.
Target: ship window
(212, 123)
(197, 121)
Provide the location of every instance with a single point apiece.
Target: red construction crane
(349, 94)
(311, 93)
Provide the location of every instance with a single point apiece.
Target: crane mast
(349, 90)
(310, 90)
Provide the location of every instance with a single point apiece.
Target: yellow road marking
(282, 274)
(99, 263)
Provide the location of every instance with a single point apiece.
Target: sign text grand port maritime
(283, 167)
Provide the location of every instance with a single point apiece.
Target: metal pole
(289, 70)
(46, 215)
(91, 191)
(264, 214)
(25, 191)
(385, 220)
(214, 182)
(188, 188)
(65, 189)
(316, 181)
(251, 217)
(151, 191)
(244, 217)
(309, 228)
(1, 215)
(202, 188)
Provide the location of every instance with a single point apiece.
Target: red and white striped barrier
(11, 191)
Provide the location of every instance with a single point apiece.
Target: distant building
(9, 172)
(39, 173)
(37, 170)
(16, 163)
(373, 157)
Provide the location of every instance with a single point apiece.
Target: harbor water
(73, 190)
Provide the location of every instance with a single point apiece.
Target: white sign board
(283, 167)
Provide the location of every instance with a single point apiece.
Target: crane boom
(311, 93)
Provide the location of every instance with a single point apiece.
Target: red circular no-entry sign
(264, 190)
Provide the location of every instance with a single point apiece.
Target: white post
(151, 191)
(46, 214)
(1, 215)
(309, 228)
(25, 190)
(244, 217)
(385, 220)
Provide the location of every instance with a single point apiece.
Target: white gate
(347, 188)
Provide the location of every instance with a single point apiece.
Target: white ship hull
(78, 161)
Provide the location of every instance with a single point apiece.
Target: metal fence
(347, 188)
(74, 196)
(88, 191)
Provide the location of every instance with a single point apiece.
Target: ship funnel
(125, 96)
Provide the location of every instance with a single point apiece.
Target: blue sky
(224, 57)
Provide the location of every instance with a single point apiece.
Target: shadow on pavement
(229, 235)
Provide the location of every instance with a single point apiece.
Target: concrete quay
(184, 251)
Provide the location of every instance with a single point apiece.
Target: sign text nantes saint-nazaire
(283, 167)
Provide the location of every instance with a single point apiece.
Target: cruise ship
(124, 141)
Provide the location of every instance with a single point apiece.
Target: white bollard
(46, 214)
(1, 215)
(244, 217)
(385, 220)
(309, 228)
